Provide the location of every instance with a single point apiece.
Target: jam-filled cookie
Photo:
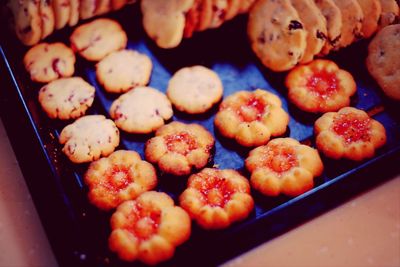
(320, 86)
(121, 176)
(149, 228)
(349, 133)
(251, 118)
(283, 166)
(179, 147)
(217, 198)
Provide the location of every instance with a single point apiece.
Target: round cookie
(333, 17)
(66, 98)
(178, 148)
(61, 12)
(89, 138)
(47, 15)
(390, 12)
(74, 12)
(28, 24)
(194, 90)
(276, 33)
(315, 25)
(121, 176)
(98, 38)
(164, 21)
(141, 110)
(383, 61)
(372, 10)
(123, 70)
(46, 62)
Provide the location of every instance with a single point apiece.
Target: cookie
(47, 16)
(251, 118)
(194, 90)
(217, 198)
(87, 8)
(148, 229)
(315, 25)
(192, 19)
(66, 98)
(232, 9)
(218, 13)
(103, 7)
(320, 86)
(141, 110)
(89, 138)
(383, 61)
(349, 133)
(61, 12)
(177, 148)
(164, 21)
(245, 6)
(352, 19)
(121, 176)
(390, 12)
(96, 39)
(283, 166)
(206, 15)
(372, 11)
(28, 24)
(73, 12)
(123, 70)
(277, 35)
(46, 62)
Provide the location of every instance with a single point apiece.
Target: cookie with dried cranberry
(372, 10)
(390, 13)
(89, 138)
(217, 198)
(251, 118)
(283, 166)
(47, 16)
(96, 39)
(141, 110)
(66, 98)
(46, 62)
(276, 33)
(178, 148)
(121, 176)
(349, 133)
(195, 89)
(320, 86)
(62, 11)
(148, 228)
(315, 25)
(383, 61)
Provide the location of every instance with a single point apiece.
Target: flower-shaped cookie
(349, 133)
(119, 177)
(177, 147)
(283, 166)
(148, 228)
(217, 198)
(320, 86)
(251, 117)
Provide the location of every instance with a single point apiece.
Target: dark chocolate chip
(294, 25)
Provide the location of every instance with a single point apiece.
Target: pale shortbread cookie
(141, 110)
(372, 10)
(194, 90)
(251, 118)
(66, 98)
(62, 10)
(148, 229)
(217, 198)
(390, 12)
(123, 70)
(164, 21)
(47, 62)
(121, 176)
(383, 61)
(47, 16)
(177, 148)
(320, 86)
(98, 38)
(349, 133)
(283, 166)
(89, 138)
(276, 33)
(74, 12)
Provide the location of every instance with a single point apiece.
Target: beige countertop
(364, 231)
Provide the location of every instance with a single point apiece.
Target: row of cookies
(284, 33)
(36, 19)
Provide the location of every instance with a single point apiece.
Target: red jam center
(352, 128)
(215, 190)
(323, 83)
(118, 178)
(280, 158)
(143, 223)
(182, 143)
(252, 110)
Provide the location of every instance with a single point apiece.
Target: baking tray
(78, 232)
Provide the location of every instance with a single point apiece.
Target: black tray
(78, 232)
